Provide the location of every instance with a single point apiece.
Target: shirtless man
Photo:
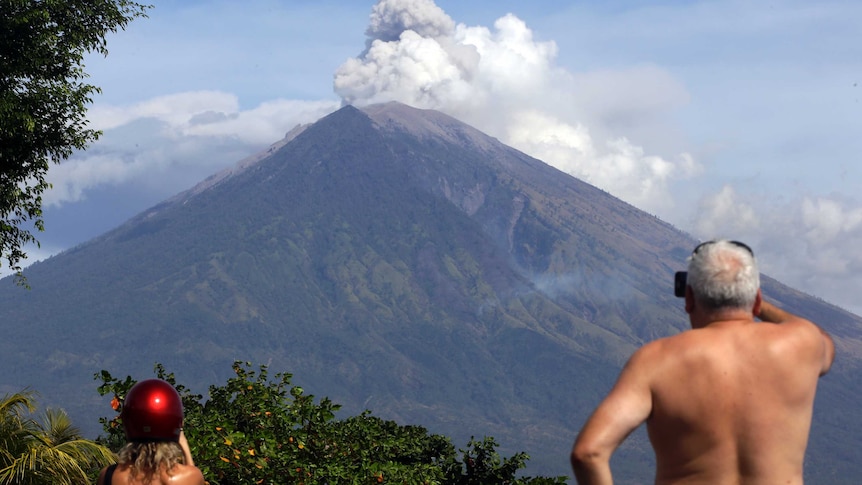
(157, 452)
(727, 402)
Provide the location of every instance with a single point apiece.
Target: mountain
(401, 261)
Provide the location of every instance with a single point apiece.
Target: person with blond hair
(156, 452)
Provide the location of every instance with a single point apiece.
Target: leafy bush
(254, 430)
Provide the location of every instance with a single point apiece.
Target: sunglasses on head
(735, 243)
(680, 279)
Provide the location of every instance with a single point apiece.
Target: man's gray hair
(724, 275)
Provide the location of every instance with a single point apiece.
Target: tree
(44, 452)
(257, 430)
(43, 99)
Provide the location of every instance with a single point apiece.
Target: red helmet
(152, 411)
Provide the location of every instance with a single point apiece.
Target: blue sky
(737, 119)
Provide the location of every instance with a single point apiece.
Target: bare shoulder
(796, 333)
(187, 475)
(666, 348)
(650, 359)
(802, 337)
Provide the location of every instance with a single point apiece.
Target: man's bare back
(732, 402)
(728, 402)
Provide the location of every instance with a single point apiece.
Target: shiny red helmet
(152, 411)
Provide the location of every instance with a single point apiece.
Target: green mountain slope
(391, 259)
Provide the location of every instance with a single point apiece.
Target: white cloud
(174, 109)
(506, 83)
(187, 135)
(827, 220)
(213, 113)
(74, 177)
(724, 213)
(265, 124)
(646, 178)
(810, 243)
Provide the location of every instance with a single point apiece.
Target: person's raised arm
(190, 475)
(187, 452)
(772, 314)
(627, 406)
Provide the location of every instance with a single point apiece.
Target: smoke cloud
(506, 83)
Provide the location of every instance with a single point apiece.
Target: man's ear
(689, 299)
(758, 300)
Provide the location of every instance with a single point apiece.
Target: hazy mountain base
(402, 262)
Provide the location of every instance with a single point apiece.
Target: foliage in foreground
(257, 430)
(49, 451)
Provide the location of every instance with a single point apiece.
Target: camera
(679, 282)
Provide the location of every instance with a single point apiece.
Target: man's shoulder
(663, 350)
(797, 333)
(662, 346)
(674, 348)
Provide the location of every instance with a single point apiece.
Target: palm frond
(57, 426)
(50, 452)
(14, 406)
